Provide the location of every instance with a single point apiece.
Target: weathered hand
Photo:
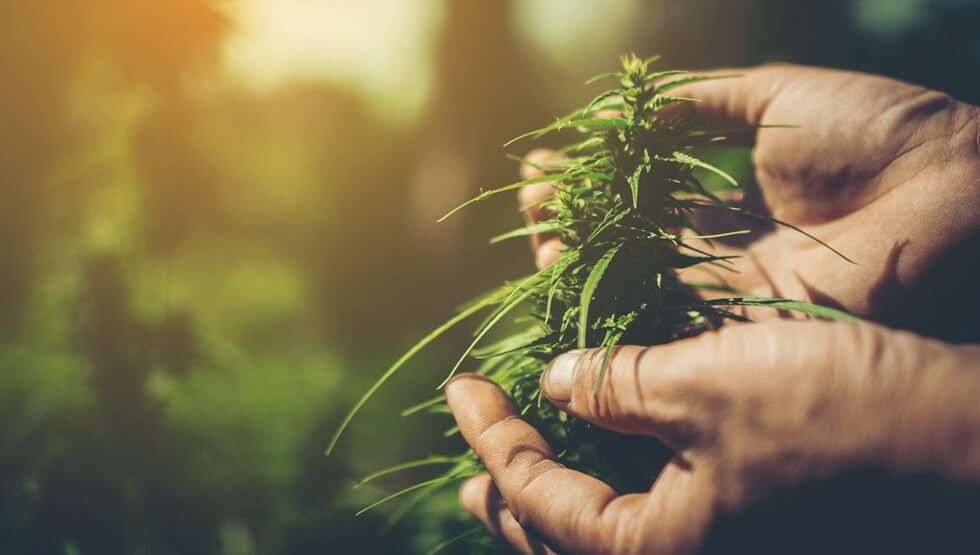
(886, 172)
(750, 410)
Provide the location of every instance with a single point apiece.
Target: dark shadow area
(941, 302)
(865, 511)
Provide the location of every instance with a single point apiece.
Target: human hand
(886, 172)
(750, 410)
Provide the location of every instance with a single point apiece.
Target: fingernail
(556, 382)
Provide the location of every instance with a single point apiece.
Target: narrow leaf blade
(589, 289)
(489, 300)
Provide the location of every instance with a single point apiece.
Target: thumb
(643, 390)
(682, 391)
(739, 101)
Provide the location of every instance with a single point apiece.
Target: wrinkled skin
(887, 173)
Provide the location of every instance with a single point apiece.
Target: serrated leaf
(575, 119)
(634, 182)
(695, 162)
(660, 101)
(589, 289)
(602, 76)
(599, 98)
(610, 343)
(566, 259)
(614, 123)
(651, 59)
(661, 74)
(610, 219)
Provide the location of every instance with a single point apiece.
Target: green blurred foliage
(198, 278)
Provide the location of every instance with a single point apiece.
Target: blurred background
(217, 229)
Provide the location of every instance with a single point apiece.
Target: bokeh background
(217, 228)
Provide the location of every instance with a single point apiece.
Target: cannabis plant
(624, 195)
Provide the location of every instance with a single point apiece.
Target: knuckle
(626, 535)
(494, 434)
(604, 403)
(967, 129)
(586, 519)
(527, 496)
(924, 103)
(622, 389)
(868, 342)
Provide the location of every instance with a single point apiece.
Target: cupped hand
(886, 172)
(749, 409)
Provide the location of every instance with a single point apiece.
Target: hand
(750, 410)
(886, 172)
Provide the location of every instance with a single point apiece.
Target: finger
(517, 536)
(736, 102)
(656, 391)
(548, 253)
(532, 196)
(481, 499)
(546, 247)
(563, 507)
(539, 160)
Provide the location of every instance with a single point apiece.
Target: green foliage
(629, 184)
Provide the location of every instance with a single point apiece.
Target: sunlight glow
(578, 31)
(381, 49)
